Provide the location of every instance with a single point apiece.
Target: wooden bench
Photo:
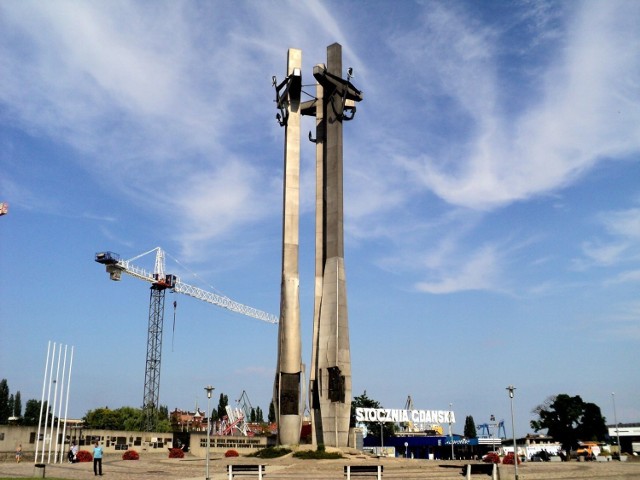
(490, 469)
(362, 470)
(236, 470)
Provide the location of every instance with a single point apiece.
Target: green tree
(271, 417)
(17, 405)
(5, 411)
(103, 418)
(259, 415)
(32, 412)
(222, 406)
(593, 424)
(252, 415)
(364, 401)
(132, 419)
(470, 427)
(163, 412)
(569, 419)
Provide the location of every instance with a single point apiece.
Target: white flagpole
(61, 443)
(46, 413)
(55, 401)
(44, 385)
(66, 406)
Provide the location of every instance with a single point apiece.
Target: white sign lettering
(382, 415)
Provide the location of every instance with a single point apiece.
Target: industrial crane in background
(160, 283)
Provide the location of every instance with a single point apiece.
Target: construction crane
(160, 283)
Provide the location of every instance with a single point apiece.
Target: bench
(235, 470)
(490, 469)
(362, 470)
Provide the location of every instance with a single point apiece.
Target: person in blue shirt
(97, 459)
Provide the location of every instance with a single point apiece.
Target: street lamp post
(208, 389)
(492, 418)
(615, 419)
(511, 390)
(453, 457)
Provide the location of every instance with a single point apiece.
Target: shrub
(130, 455)
(176, 453)
(84, 456)
(317, 455)
(491, 457)
(508, 459)
(271, 452)
(231, 453)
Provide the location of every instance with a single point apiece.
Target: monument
(330, 374)
(287, 386)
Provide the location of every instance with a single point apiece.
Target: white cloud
(478, 272)
(631, 276)
(619, 247)
(623, 223)
(583, 110)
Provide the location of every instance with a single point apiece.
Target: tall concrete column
(287, 386)
(331, 363)
(315, 108)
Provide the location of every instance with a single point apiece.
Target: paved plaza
(156, 466)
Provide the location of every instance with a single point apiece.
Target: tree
(252, 416)
(222, 404)
(17, 405)
(259, 415)
(125, 418)
(133, 419)
(374, 430)
(569, 419)
(104, 419)
(271, 417)
(592, 426)
(470, 427)
(5, 412)
(32, 412)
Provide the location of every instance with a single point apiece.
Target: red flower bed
(491, 457)
(231, 453)
(176, 453)
(508, 459)
(130, 455)
(84, 456)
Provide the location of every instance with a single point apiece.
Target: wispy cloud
(617, 246)
(582, 112)
(479, 271)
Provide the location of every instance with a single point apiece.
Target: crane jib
(115, 266)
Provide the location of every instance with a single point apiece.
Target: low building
(629, 434)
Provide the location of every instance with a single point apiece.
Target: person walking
(97, 459)
(73, 452)
(18, 453)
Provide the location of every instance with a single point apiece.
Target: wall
(114, 441)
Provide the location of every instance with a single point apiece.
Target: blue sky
(492, 209)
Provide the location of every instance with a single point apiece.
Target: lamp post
(208, 389)
(453, 457)
(615, 419)
(511, 389)
(492, 418)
